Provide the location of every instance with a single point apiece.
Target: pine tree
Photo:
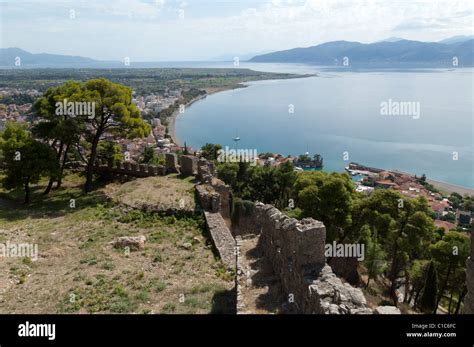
(375, 259)
(428, 299)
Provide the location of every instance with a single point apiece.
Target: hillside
(8, 58)
(79, 271)
(384, 53)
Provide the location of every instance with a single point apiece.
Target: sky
(200, 30)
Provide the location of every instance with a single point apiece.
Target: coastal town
(448, 214)
(16, 105)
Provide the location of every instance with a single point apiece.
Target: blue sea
(338, 114)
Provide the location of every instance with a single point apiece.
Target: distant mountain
(242, 57)
(8, 56)
(392, 39)
(457, 39)
(403, 53)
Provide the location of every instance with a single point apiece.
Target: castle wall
(189, 164)
(295, 250)
(130, 169)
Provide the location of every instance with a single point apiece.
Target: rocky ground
(80, 271)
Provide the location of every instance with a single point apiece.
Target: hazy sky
(167, 30)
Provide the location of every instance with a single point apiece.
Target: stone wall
(188, 165)
(346, 268)
(130, 169)
(295, 250)
(209, 199)
(222, 239)
(469, 300)
(205, 171)
(171, 163)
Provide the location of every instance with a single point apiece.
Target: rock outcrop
(387, 310)
(133, 243)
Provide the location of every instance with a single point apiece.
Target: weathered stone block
(386, 310)
(171, 163)
(188, 165)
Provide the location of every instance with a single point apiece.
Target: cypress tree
(428, 299)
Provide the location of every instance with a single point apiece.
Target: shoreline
(444, 186)
(174, 115)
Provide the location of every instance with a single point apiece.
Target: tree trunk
(407, 287)
(27, 191)
(50, 185)
(450, 301)
(443, 288)
(460, 299)
(90, 163)
(63, 165)
(393, 275)
(394, 268)
(51, 180)
(412, 292)
(417, 296)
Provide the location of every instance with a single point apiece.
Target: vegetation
(142, 81)
(428, 300)
(113, 112)
(399, 233)
(26, 160)
(90, 276)
(149, 156)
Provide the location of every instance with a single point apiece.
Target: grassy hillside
(78, 270)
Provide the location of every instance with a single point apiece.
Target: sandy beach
(444, 186)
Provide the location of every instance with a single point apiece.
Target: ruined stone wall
(171, 163)
(295, 250)
(188, 165)
(244, 219)
(469, 300)
(130, 169)
(211, 202)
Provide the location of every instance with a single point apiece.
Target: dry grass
(78, 271)
(160, 193)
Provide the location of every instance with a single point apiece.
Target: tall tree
(450, 254)
(56, 125)
(428, 298)
(26, 160)
(404, 226)
(210, 151)
(375, 257)
(114, 113)
(326, 197)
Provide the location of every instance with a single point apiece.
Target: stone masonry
(295, 249)
(130, 169)
(189, 165)
(171, 163)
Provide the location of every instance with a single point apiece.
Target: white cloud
(152, 30)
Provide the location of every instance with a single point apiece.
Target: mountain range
(392, 52)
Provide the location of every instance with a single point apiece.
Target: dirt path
(258, 290)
